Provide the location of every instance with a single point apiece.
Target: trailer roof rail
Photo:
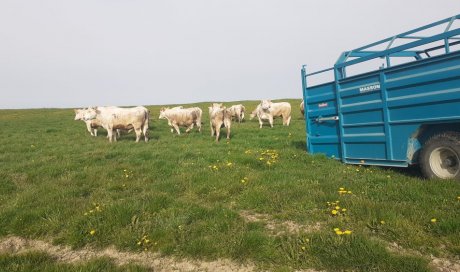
(449, 36)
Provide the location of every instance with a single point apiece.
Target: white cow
(237, 111)
(266, 110)
(112, 118)
(93, 125)
(302, 109)
(178, 116)
(218, 116)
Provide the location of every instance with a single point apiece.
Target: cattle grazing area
(257, 201)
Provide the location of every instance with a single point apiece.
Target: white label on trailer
(322, 105)
(369, 88)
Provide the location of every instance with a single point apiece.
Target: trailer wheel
(440, 157)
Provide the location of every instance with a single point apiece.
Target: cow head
(162, 113)
(90, 113)
(79, 114)
(265, 104)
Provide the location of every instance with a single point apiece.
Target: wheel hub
(444, 162)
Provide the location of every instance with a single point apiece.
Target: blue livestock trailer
(404, 111)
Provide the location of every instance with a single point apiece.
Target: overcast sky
(133, 52)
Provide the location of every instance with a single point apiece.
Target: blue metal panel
(376, 117)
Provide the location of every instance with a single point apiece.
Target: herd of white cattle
(116, 119)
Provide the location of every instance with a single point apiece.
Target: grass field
(257, 199)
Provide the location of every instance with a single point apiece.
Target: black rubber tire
(447, 146)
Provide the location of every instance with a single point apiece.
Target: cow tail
(146, 122)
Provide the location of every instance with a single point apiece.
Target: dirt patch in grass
(18, 245)
(444, 265)
(437, 264)
(278, 228)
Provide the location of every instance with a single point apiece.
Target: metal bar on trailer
(450, 24)
(402, 47)
(411, 31)
(306, 115)
(412, 37)
(319, 72)
(397, 54)
(391, 42)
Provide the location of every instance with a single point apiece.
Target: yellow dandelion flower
(337, 207)
(92, 232)
(334, 212)
(339, 232)
(433, 220)
(382, 222)
(344, 210)
(341, 189)
(125, 170)
(261, 159)
(139, 243)
(229, 164)
(336, 229)
(303, 248)
(349, 192)
(243, 181)
(347, 232)
(269, 163)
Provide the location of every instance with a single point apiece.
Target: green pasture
(187, 196)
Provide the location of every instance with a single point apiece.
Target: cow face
(162, 113)
(216, 105)
(90, 114)
(79, 114)
(265, 104)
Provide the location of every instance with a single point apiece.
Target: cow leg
(189, 128)
(176, 127)
(95, 132)
(217, 133)
(145, 131)
(138, 131)
(260, 123)
(88, 127)
(118, 133)
(270, 120)
(212, 130)
(109, 134)
(288, 120)
(228, 124)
